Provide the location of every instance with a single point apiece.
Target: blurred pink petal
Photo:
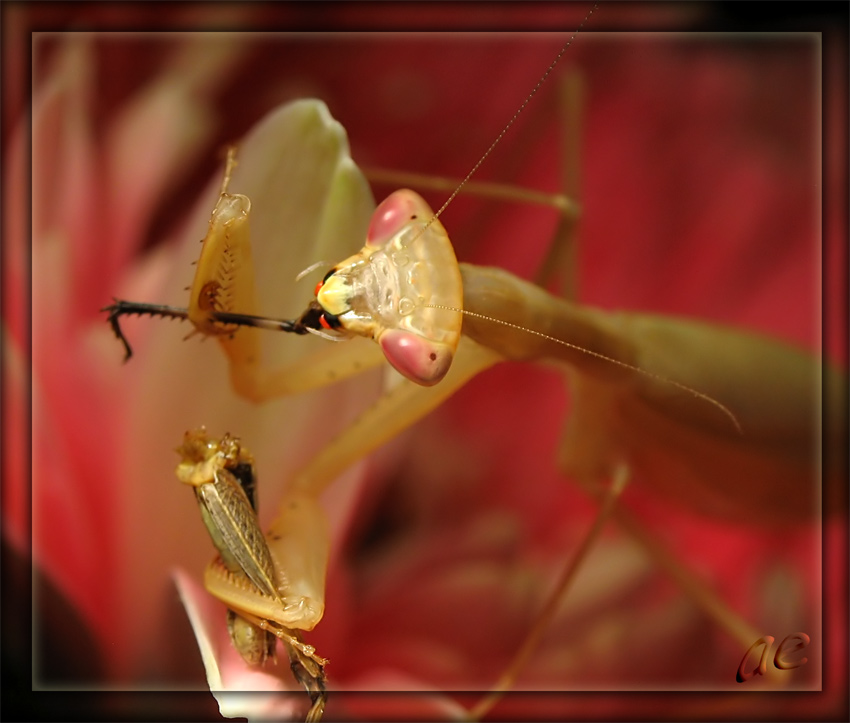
(174, 126)
(71, 275)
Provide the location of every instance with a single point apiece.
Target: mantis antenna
(651, 375)
(507, 125)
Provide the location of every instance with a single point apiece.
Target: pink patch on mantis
(392, 213)
(420, 360)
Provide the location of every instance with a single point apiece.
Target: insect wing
(232, 523)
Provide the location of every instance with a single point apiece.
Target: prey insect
(620, 413)
(245, 574)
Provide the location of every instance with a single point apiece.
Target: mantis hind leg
(558, 268)
(556, 597)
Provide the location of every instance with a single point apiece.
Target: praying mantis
(596, 378)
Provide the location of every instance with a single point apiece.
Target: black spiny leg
(308, 320)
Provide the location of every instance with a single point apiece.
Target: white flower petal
(241, 692)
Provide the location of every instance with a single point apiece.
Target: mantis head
(388, 290)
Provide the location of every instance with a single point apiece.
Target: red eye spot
(318, 286)
(323, 321)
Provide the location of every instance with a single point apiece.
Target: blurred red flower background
(700, 172)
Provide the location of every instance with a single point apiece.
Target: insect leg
(311, 675)
(495, 191)
(560, 263)
(128, 308)
(556, 597)
(560, 260)
(402, 404)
